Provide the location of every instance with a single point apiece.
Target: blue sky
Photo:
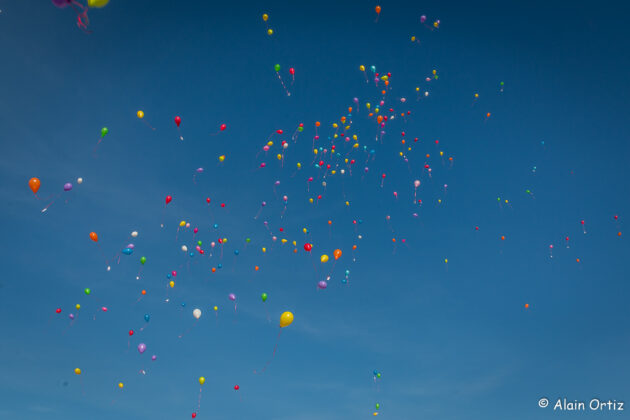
(452, 341)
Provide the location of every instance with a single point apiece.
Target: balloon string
(199, 401)
(272, 356)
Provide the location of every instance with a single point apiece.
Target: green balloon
(300, 129)
(264, 297)
(277, 67)
(199, 243)
(143, 260)
(378, 375)
(104, 131)
(247, 240)
(378, 406)
(87, 291)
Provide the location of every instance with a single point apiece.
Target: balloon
(67, 186)
(264, 297)
(223, 127)
(142, 347)
(147, 317)
(323, 258)
(322, 285)
(362, 67)
(61, 3)
(308, 247)
(291, 71)
(77, 371)
(270, 31)
(104, 131)
(168, 199)
(120, 385)
(34, 184)
(337, 253)
(134, 234)
(265, 17)
(202, 380)
(423, 19)
(140, 114)
(178, 120)
(143, 260)
(197, 314)
(277, 67)
(286, 319)
(97, 3)
(378, 9)
(79, 180)
(232, 296)
(236, 387)
(87, 291)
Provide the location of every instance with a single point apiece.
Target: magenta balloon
(232, 296)
(67, 186)
(423, 19)
(153, 357)
(322, 284)
(61, 3)
(142, 347)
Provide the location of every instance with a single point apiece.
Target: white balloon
(184, 248)
(134, 234)
(197, 313)
(80, 181)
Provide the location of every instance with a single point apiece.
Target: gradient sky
(452, 341)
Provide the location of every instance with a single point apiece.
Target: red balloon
(279, 131)
(236, 387)
(208, 200)
(58, 310)
(194, 415)
(168, 199)
(130, 332)
(291, 71)
(308, 247)
(178, 120)
(223, 127)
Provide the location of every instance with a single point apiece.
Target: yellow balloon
(286, 319)
(182, 223)
(221, 158)
(140, 114)
(202, 380)
(171, 283)
(264, 249)
(78, 306)
(269, 31)
(324, 258)
(299, 165)
(216, 308)
(77, 371)
(120, 385)
(97, 3)
(362, 67)
(265, 17)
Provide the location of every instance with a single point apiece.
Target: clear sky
(451, 340)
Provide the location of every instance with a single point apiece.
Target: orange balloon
(317, 124)
(378, 9)
(94, 236)
(379, 119)
(337, 253)
(34, 184)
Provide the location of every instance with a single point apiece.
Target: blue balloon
(147, 317)
(236, 252)
(192, 254)
(127, 251)
(168, 276)
(216, 226)
(219, 265)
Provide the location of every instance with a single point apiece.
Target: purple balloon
(423, 19)
(356, 100)
(322, 285)
(199, 170)
(61, 3)
(142, 347)
(153, 357)
(131, 246)
(67, 186)
(232, 296)
(71, 316)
